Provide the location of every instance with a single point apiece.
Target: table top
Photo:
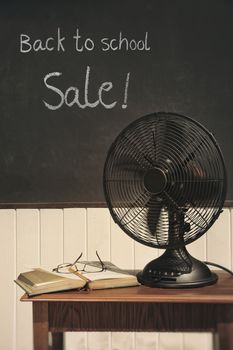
(220, 292)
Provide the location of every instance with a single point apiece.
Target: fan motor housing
(155, 180)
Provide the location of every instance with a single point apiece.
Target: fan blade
(196, 190)
(135, 149)
(166, 136)
(129, 167)
(129, 214)
(153, 215)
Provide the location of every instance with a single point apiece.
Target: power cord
(219, 266)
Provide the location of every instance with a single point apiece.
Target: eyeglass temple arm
(79, 257)
(102, 264)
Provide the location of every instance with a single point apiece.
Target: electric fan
(165, 185)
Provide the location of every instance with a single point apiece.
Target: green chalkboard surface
(75, 73)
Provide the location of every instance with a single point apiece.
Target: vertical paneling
(75, 341)
(146, 341)
(8, 274)
(144, 254)
(219, 240)
(74, 234)
(122, 341)
(198, 248)
(98, 238)
(122, 248)
(75, 243)
(51, 230)
(197, 341)
(28, 255)
(98, 233)
(171, 341)
(49, 236)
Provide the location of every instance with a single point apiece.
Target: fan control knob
(155, 180)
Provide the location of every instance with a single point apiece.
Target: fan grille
(165, 174)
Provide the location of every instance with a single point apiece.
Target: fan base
(177, 284)
(160, 275)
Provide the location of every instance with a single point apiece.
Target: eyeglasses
(78, 266)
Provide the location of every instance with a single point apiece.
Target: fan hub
(155, 180)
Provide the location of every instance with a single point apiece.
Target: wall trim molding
(61, 205)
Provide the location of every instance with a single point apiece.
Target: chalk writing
(50, 44)
(126, 91)
(118, 43)
(72, 94)
(122, 43)
(88, 43)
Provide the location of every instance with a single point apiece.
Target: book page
(58, 274)
(108, 265)
(95, 276)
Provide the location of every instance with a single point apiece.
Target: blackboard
(75, 73)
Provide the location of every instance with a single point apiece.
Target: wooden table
(135, 309)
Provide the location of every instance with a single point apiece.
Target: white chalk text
(72, 96)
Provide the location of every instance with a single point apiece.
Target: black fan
(165, 185)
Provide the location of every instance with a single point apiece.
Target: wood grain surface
(121, 316)
(221, 292)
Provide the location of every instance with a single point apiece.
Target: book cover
(39, 281)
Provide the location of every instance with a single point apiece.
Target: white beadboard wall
(32, 237)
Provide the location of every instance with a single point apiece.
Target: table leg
(40, 325)
(57, 341)
(225, 332)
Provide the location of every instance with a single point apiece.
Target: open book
(40, 281)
